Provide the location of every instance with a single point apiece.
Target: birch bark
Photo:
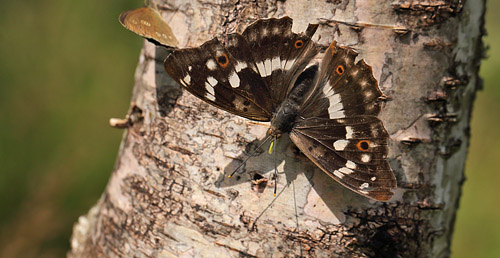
(168, 195)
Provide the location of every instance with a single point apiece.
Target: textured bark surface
(168, 195)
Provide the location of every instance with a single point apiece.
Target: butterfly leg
(275, 166)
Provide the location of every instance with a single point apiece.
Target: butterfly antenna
(296, 216)
(275, 167)
(268, 206)
(249, 155)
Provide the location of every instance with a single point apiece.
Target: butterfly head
(274, 132)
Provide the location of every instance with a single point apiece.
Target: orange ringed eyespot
(340, 70)
(222, 60)
(299, 43)
(363, 145)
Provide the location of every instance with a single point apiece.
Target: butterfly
(148, 23)
(329, 109)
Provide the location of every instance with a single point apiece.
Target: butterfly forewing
(208, 72)
(252, 74)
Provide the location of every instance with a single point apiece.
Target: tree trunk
(169, 196)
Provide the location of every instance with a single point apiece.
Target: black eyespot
(299, 43)
(340, 70)
(363, 145)
(222, 60)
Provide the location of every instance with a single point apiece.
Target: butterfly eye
(222, 60)
(363, 145)
(340, 70)
(299, 43)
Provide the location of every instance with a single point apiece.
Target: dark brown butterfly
(329, 110)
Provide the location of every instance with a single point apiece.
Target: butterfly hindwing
(361, 139)
(338, 128)
(350, 150)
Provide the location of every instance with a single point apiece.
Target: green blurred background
(66, 67)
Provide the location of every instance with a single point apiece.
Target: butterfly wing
(149, 24)
(343, 88)
(351, 150)
(251, 74)
(339, 129)
(213, 74)
(279, 54)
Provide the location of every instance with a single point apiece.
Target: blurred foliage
(66, 67)
(477, 229)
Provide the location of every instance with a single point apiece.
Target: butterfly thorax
(284, 118)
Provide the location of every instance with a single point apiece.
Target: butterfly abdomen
(284, 118)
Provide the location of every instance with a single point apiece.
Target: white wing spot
(350, 164)
(340, 145)
(267, 65)
(190, 68)
(187, 79)
(346, 171)
(262, 70)
(335, 110)
(364, 186)
(337, 114)
(289, 64)
(348, 132)
(234, 80)
(338, 174)
(335, 100)
(211, 65)
(240, 66)
(327, 88)
(373, 178)
(212, 81)
(365, 158)
(283, 64)
(276, 63)
(210, 91)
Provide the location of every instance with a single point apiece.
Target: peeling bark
(168, 195)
